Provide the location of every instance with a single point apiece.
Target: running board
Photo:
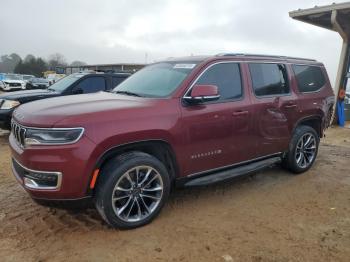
(232, 172)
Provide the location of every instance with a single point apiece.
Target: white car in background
(12, 82)
(53, 78)
(26, 78)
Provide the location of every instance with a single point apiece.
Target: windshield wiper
(127, 93)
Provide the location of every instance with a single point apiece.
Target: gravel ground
(270, 216)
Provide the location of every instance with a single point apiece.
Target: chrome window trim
(240, 62)
(82, 129)
(33, 187)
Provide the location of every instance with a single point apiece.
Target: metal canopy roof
(334, 17)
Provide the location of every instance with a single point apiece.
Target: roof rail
(265, 56)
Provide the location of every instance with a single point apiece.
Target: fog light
(37, 180)
(40, 179)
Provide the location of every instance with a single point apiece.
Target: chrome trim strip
(240, 62)
(37, 187)
(232, 165)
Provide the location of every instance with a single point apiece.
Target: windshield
(12, 77)
(157, 80)
(65, 82)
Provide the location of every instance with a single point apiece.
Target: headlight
(52, 136)
(8, 104)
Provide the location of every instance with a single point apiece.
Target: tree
(9, 62)
(56, 60)
(78, 63)
(31, 66)
(28, 58)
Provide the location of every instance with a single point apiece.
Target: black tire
(112, 173)
(290, 161)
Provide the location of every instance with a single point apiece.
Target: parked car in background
(53, 77)
(11, 82)
(26, 78)
(80, 83)
(190, 121)
(37, 83)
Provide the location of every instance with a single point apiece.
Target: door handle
(290, 106)
(240, 113)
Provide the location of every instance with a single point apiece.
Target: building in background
(125, 67)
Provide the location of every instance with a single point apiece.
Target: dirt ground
(270, 216)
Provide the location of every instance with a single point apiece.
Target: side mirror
(77, 91)
(203, 93)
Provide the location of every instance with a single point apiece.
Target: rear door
(275, 106)
(218, 133)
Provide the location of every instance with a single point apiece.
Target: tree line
(32, 65)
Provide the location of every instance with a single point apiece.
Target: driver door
(218, 133)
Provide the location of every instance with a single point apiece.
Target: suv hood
(28, 95)
(78, 110)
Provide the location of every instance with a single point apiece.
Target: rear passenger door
(90, 84)
(219, 133)
(275, 106)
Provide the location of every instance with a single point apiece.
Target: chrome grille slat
(18, 132)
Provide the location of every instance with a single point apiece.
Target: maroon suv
(190, 121)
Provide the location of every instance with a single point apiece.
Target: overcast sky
(112, 31)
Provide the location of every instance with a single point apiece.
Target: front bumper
(13, 88)
(70, 168)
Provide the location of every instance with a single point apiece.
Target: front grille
(18, 132)
(14, 84)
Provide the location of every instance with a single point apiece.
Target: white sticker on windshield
(185, 66)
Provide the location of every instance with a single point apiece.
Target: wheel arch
(160, 149)
(314, 121)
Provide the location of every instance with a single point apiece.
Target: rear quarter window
(309, 78)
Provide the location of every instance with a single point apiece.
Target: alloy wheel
(305, 150)
(137, 193)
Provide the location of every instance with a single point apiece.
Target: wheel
(132, 190)
(303, 150)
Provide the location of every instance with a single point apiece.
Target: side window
(227, 77)
(269, 79)
(309, 78)
(116, 81)
(92, 85)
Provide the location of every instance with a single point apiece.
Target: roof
(322, 16)
(242, 56)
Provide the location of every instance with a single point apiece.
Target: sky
(128, 31)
